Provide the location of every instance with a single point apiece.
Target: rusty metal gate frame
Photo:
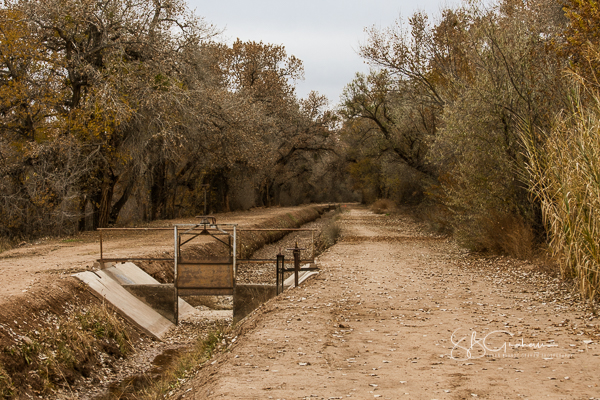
(207, 225)
(280, 260)
(103, 259)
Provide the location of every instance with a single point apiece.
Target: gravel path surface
(398, 313)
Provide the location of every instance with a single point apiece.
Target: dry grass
(565, 176)
(188, 363)
(7, 388)
(383, 206)
(328, 237)
(435, 215)
(6, 244)
(508, 234)
(67, 348)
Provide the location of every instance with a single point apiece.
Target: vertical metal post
(277, 274)
(234, 250)
(296, 264)
(204, 187)
(280, 268)
(176, 260)
(232, 266)
(282, 273)
(313, 245)
(234, 263)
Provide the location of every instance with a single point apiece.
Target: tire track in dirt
(407, 319)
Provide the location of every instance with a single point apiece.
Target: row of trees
(119, 110)
(476, 111)
(122, 109)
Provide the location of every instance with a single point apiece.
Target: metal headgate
(215, 276)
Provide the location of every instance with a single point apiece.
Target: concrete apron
(137, 296)
(248, 297)
(148, 304)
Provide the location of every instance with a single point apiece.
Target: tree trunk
(157, 191)
(219, 183)
(101, 199)
(105, 201)
(82, 216)
(116, 208)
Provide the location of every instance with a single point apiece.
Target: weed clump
(6, 244)
(7, 388)
(189, 363)
(500, 234)
(328, 237)
(383, 206)
(67, 348)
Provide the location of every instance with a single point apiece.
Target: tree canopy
(122, 109)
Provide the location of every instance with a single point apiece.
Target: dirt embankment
(39, 298)
(398, 313)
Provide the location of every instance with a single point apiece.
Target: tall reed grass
(564, 173)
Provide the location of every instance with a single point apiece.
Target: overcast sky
(324, 34)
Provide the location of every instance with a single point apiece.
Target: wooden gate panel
(205, 292)
(200, 276)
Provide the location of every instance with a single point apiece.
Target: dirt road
(36, 265)
(396, 313)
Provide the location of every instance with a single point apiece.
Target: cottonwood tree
(404, 95)
(285, 130)
(30, 89)
(461, 87)
(119, 58)
(517, 81)
(308, 142)
(113, 103)
(402, 126)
